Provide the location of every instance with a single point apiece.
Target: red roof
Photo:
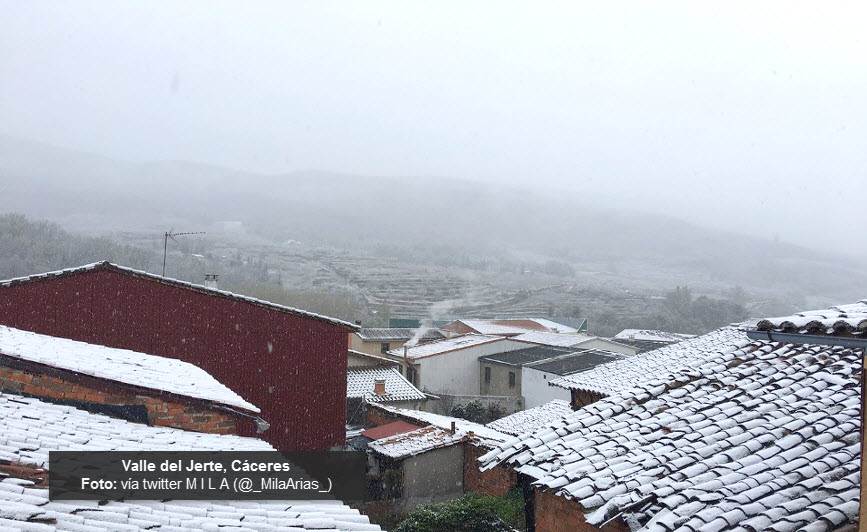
(389, 430)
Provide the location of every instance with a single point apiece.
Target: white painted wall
(457, 372)
(534, 386)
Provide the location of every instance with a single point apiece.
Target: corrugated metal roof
(445, 346)
(389, 429)
(575, 362)
(395, 334)
(528, 355)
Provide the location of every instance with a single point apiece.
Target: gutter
(797, 338)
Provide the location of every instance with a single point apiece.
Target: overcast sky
(747, 116)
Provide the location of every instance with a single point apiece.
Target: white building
(536, 377)
(451, 366)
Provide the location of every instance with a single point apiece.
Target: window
(488, 375)
(383, 348)
(511, 379)
(411, 375)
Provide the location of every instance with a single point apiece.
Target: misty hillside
(440, 222)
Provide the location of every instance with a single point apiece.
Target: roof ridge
(107, 265)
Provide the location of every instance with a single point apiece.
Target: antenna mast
(171, 234)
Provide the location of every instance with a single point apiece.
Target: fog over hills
(418, 221)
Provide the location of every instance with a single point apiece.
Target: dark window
(511, 379)
(411, 375)
(487, 375)
(384, 347)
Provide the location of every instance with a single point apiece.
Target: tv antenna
(171, 234)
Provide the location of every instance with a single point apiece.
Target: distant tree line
(680, 312)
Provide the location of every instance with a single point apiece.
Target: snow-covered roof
(839, 320)
(513, 326)
(620, 375)
(758, 435)
(483, 433)
(646, 335)
(376, 334)
(30, 428)
(579, 361)
(527, 355)
(360, 383)
(552, 339)
(573, 340)
(373, 359)
(25, 509)
(530, 420)
(118, 365)
(106, 265)
(416, 442)
(445, 346)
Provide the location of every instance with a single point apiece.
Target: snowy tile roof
(445, 346)
(119, 365)
(759, 436)
(516, 326)
(531, 419)
(360, 383)
(620, 375)
(483, 433)
(842, 319)
(651, 335)
(30, 428)
(25, 509)
(105, 265)
(392, 333)
(416, 442)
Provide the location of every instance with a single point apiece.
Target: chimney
(211, 280)
(379, 386)
(453, 428)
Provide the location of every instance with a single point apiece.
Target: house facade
(528, 372)
(381, 340)
(279, 358)
(451, 366)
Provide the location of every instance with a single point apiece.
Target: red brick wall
(581, 398)
(292, 367)
(559, 514)
(160, 411)
(376, 417)
(494, 482)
